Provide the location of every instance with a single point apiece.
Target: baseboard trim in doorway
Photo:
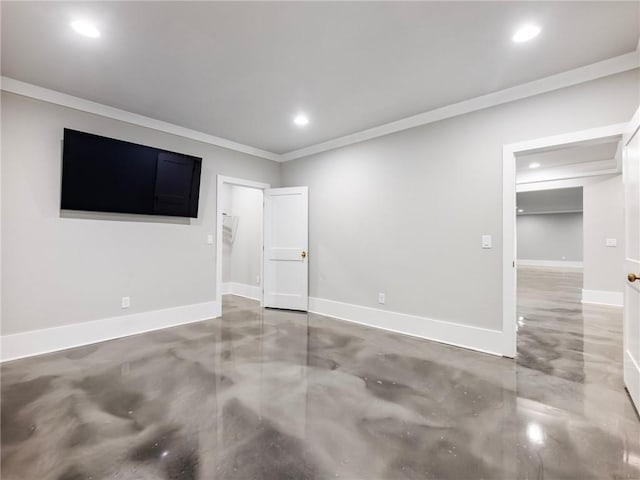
(549, 263)
(254, 292)
(603, 297)
(37, 342)
(466, 336)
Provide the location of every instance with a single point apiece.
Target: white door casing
(221, 180)
(286, 240)
(631, 329)
(509, 271)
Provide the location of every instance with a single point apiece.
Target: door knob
(303, 254)
(632, 277)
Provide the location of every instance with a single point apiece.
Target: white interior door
(631, 172)
(286, 240)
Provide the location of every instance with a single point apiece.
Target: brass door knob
(632, 277)
(303, 254)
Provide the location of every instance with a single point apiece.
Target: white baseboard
(603, 297)
(549, 263)
(474, 338)
(36, 342)
(254, 292)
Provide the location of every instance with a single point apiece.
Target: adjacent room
(241, 242)
(312, 240)
(570, 232)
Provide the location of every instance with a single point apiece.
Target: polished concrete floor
(282, 395)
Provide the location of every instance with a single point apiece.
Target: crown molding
(52, 96)
(548, 212)
(611, 66)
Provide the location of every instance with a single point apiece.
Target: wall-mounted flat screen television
(102, 174)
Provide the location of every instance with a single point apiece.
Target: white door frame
(241, 182)
(509, 271)
(630, 363)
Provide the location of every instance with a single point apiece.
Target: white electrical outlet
(381, 298)
(126, 302)
(611, 242)
(487, 241)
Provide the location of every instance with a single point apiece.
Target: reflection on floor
(282, 395)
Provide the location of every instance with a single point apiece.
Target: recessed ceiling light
(520, 210)
(526, 33)
(85, 28)
(534, 165)
(301, 120)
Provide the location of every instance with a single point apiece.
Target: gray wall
(604, 218)
(241, 258)
(552, 236)
(404, 213)
(59, 270)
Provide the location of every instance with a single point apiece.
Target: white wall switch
(612, 242)
(210, 239)
(486, 241)
(126, 302)
(381, 298)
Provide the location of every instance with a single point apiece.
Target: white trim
(221, 179)
(571, 176)
(33, 91)
(603, 297)
(254, 292)
(556, 184)
(466, 336)
(548, 212)
(509, 216)
(611, 66)
(37, 342)
(549, 263)
(630, 321)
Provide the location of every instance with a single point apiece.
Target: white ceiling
(242, 70)
(591, 152)
(550, 201)
(589, 158)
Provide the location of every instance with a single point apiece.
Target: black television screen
(102, 174)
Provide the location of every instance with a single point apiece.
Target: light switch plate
(210, 239)
(486, 241)
(611, 242)
(381, 298)
(126, 302)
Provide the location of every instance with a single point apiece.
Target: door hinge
(514, 264)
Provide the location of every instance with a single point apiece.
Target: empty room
(312, 240)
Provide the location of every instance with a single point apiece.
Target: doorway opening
(549, 232)
(239, 242)
(568, 235)
(588, 160)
